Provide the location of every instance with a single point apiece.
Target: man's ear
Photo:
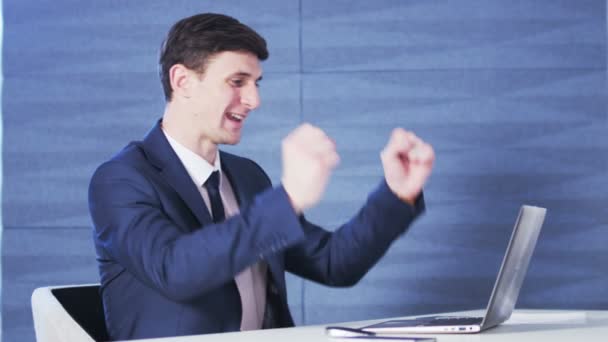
(180, 77)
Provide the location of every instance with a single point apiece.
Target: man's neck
(183, 132)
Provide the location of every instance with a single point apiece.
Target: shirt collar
(197, 167)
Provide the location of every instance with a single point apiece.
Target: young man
(193, 240)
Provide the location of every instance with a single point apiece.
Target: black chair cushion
(84, 304)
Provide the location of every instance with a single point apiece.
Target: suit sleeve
(132, 229)
(343, 257)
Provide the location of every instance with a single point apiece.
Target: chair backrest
(68, 313)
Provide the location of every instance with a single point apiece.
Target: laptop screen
(514, 265)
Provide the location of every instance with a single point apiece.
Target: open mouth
(236, 117)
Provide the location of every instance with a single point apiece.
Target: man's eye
(237, 83)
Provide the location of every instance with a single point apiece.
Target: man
(193, 240)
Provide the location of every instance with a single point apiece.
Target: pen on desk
(346, 332)
(354, 333)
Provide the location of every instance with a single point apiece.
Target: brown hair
(193, 40)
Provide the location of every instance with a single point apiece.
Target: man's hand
(309, 156)
(407, 162)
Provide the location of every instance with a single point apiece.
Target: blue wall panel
(513, 97)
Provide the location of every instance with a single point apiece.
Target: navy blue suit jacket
(167, 270)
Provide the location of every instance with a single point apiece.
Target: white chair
(68, 313)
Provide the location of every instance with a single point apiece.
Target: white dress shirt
(251, 282)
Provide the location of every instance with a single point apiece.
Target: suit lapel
(237, 180)
(161, 155)
(244, 189)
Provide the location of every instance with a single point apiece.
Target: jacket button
(273, 289)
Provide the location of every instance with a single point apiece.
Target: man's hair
(194, 40)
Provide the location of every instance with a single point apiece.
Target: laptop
(504, 295)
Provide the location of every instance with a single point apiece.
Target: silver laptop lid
(514, 265)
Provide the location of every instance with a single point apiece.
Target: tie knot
(213, 182)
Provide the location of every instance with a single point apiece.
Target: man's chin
(231, 141)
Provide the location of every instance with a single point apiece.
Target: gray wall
(512, 94)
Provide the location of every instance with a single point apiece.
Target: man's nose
(250, 97)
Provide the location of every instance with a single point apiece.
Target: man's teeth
(236, 116)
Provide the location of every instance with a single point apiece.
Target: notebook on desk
(506, 287)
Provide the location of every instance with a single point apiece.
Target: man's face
(222, 98)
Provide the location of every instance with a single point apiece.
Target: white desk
(523, 326)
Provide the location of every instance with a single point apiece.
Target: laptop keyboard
(437, 321)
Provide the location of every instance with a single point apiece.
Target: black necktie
(213, 189)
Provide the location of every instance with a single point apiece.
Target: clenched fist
(309, 156)
(407, 162)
